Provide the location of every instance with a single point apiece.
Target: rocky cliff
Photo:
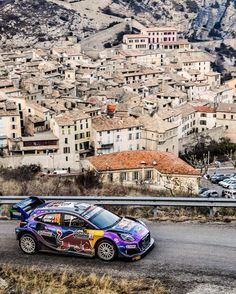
(31, 21)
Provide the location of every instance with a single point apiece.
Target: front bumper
(138, 254)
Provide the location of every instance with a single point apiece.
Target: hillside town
(66, 108)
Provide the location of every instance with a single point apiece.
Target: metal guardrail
(211, 203)
(134, 201)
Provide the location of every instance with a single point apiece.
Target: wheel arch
(21, 233)
(105, 239)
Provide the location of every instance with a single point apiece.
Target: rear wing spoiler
(23, 209)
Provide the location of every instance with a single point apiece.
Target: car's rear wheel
(28, 244)
(106, 250)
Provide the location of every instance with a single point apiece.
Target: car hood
(131, 227)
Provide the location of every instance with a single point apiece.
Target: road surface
(186, 255)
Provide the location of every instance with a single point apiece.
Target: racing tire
(106, 250)
(28, 244)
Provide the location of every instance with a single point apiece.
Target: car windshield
(104, 219)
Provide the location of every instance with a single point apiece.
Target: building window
(66, 158)
(117, 138)
(13, 119)
(13, 127)
(137, 135)
(66, 140)
(110, 176)
(226, 127)
(232, 117)
(66, 150)
(81, 135)
(123, 176)
(224, 116)
(202, 122)
(130, 137)
(148, 174)
(76, 147)
(87, 134)
(135, 175)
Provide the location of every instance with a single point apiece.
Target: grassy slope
(29, 280)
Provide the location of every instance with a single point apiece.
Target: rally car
(80, 229)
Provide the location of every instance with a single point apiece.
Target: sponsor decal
(126, 225)
(73, 242)
(138, 229)
(45, 233)
(83, 235)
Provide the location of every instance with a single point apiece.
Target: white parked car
(209, 193)
(227, 183)
(229, 193)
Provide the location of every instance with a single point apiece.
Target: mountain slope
(27, 22)
(30, 21)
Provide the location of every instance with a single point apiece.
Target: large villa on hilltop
(155, 38)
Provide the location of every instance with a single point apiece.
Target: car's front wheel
(28, 244)
(106, 250)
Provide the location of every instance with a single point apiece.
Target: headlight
(126, 237)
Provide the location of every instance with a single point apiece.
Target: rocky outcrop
(197, 19)
(26, 22)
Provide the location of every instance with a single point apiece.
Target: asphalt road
(188, 253)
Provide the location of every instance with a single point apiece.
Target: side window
(51, 218)
(73, 221)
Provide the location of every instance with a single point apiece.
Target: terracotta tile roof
(164, 162)
(69, 118)
(226, 107)
(104, 123)
(206, 109)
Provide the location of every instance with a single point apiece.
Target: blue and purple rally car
(81, 229)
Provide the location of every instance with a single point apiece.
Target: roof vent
(143, 162)
(154, 162)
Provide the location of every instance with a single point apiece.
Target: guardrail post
(155, 212)
(212, 211)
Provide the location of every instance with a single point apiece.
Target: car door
(77, 235)
(48, 227)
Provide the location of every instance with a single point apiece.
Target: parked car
(202, 189)
(227, 183)
(229, 193)
(232, 187)
(80, 229)
(214, 176)
(219, 178)
(209, 193)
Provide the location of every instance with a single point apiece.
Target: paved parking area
(208, 184)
